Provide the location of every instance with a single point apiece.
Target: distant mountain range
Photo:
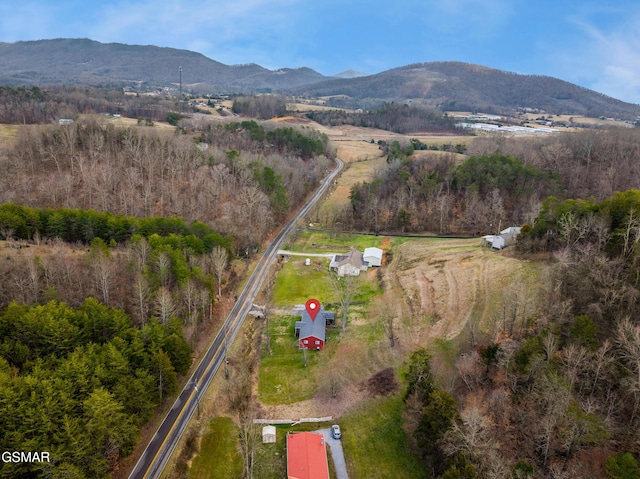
(446, 85)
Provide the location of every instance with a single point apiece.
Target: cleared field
(375, 443)
(448, 286)
(8, 133)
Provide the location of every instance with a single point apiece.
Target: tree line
(75, 225)
(396, 117)
(434, 193)
(34, 105)
(503, 182)
(260, 106)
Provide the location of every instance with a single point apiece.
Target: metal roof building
(307, 456)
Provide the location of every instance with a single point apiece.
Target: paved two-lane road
(157, 453)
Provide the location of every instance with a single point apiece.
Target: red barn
(312, 332)
(307, 456)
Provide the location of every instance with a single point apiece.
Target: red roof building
(306, 456)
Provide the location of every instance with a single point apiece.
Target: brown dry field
(446, 284)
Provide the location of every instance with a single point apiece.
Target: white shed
(268, 434)
(373, 256)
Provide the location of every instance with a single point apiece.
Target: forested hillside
(117, 245)
(503, 182)
(550, 389)
(218, 179)
(79, 384)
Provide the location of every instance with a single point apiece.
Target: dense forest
(226, 178)
(79, 383)
(503, 182)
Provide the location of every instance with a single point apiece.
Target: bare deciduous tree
(628, 342)
(219, 259)
(164, 306)
(388, 313)
(346, 287)
(103, 273)
(141, 297)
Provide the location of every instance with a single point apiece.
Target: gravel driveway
(335, 448)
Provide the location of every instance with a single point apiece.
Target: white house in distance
(506, 238)
(373, 256)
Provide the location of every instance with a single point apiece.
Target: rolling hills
(445, 85)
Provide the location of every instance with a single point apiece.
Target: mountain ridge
(452, 86)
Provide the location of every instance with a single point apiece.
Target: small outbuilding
(507, 237)
(268, 434)
(373, 256)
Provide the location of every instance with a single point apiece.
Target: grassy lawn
(283, 378)
(296, 283)
(219, 456)
(375, 444)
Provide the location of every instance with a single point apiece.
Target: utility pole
(180, 70)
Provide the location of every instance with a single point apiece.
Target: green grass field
(283, 378)
(321, 242)
(375, 444)
(296, 283)
(219, 457)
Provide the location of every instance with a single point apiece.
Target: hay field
(8, 133)
(448, 285)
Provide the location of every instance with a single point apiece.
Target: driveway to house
(335, 447)
(291, 253)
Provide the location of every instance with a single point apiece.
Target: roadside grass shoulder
(219, 456)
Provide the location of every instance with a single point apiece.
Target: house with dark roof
(311, 333)
(349, 264)
(307, 456)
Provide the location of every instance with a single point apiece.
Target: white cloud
(229, 31)
(607, 59)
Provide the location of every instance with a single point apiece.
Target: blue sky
(595, 44)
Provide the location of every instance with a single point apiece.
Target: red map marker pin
(313, 307)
